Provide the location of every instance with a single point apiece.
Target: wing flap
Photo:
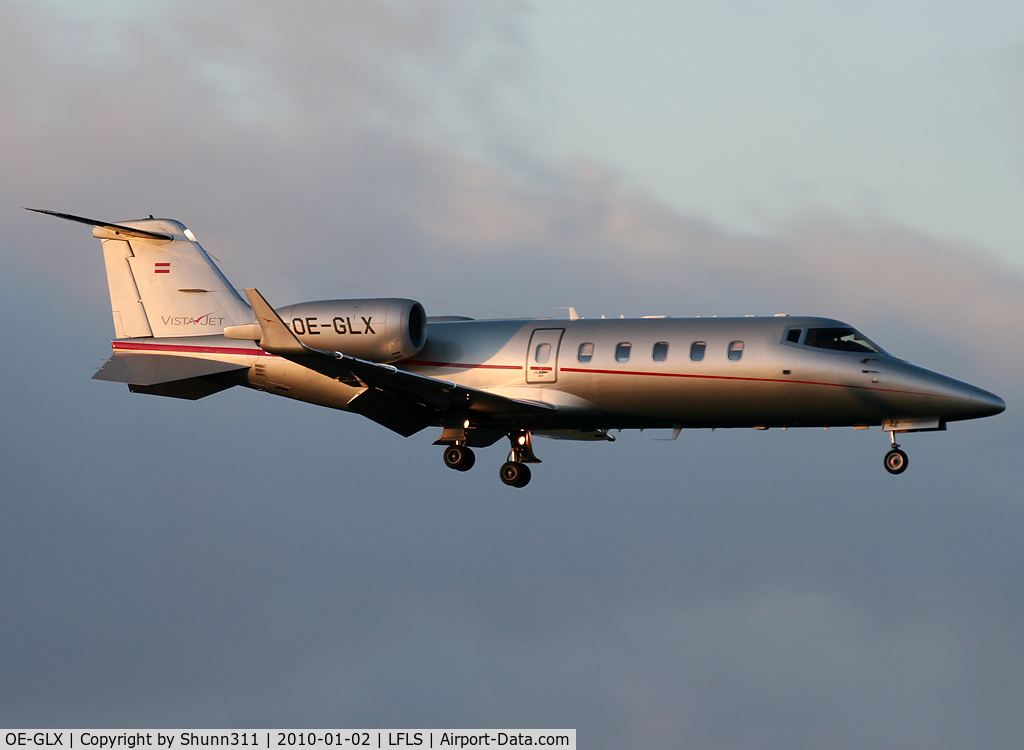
(394, 412)
(441, 394)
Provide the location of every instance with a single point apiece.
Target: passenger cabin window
(622, 352)
(697, 351)
(660, 353)
(841, 340)
(542, 354)
(585, 353)
(793, 335)
(735, 351)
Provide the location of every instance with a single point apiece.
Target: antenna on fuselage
(573, 315)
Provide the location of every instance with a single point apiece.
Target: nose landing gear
(895, 460)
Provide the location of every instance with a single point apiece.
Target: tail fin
(162, 283)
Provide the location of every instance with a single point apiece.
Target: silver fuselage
(773, 383)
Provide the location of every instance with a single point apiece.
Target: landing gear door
(542, 355)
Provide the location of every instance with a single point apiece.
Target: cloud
(308, 142)
(244, 559)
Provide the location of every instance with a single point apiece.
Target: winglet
(276, 338)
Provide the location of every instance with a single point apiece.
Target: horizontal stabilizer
(116, 228)
(153, 369)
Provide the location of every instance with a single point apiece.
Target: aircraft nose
(951, 400)
(966, 401)
(982, 403)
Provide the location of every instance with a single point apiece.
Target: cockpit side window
(793, 335)
(841, 340)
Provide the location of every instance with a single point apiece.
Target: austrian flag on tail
(162, 268)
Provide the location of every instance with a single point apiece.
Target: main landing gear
(895, 460)
(514, 472)
(459, 457)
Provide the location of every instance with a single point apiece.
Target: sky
(244, 560)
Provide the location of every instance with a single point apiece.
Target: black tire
(459, 458)
(896, 461)
(514, 474)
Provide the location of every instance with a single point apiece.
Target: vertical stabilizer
(162, 283)
(181, 290)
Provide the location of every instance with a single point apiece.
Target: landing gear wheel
(515, 474)
(459, 458)
(896, 461)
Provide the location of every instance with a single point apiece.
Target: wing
(435, 395)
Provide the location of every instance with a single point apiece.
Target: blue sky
(245, 560)
(749, 112)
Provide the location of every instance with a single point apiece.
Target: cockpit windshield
(842, 340)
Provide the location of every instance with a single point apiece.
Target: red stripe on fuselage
(188, 349)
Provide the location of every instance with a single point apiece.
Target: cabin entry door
(542, 355)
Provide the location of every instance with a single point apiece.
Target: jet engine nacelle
(378, 330)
